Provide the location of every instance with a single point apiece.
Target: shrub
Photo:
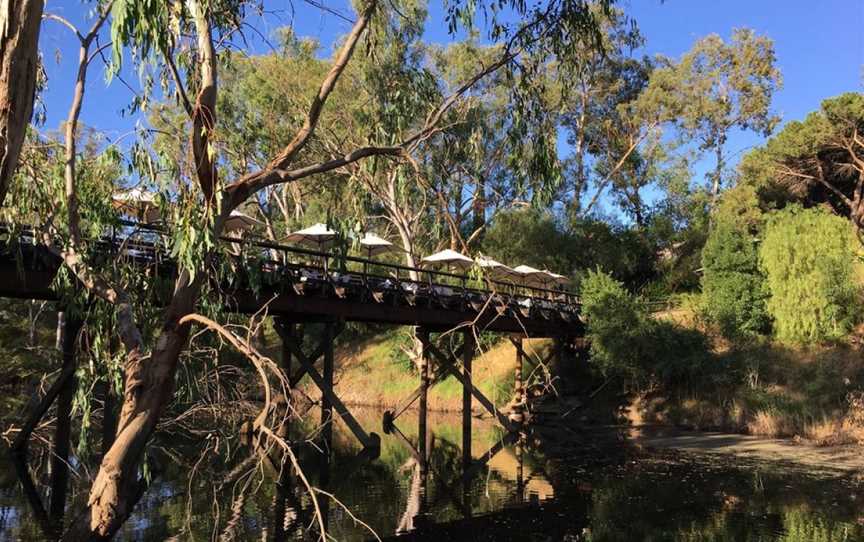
(626, 340)
(616, 324)
(733, 288)
(808, 259)
(535, 228)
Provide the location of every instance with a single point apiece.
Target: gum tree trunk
(149, 388)
(19, 46)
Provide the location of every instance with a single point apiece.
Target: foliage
(626, 340)
(733, 288)
(740, 206)
(592, 87)
(715, 87)
(515, 236)
(808, 259)
(814, 161)
(616, 326)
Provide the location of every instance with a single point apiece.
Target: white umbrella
(375, 245)
(138, 203)
(450, 258)
(240, 221)
(555, 278)
(496, 269)
(530, 274)
(317, 235)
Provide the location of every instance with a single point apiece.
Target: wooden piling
(286, 329)
(467, 358)
(62, 433)
(326, 404)
(423, 368)
(517, 413)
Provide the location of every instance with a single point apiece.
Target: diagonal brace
(370, 440)
(482, 399)
(440, 371)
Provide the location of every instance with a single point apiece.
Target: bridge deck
(305, 285)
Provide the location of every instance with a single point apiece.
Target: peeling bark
(19, 59)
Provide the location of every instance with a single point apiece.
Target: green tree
(733, 288)
(616, 325)
(184, 45)
(19, 63)
(591, 88)
(815, 161)
(714, 88)
(514, 237)
(808, 259)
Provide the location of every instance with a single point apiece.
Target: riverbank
(846, 458)
(376, 372)
(762, 388)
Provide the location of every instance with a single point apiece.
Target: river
(573, 484)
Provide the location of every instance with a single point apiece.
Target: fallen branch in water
(265, 366)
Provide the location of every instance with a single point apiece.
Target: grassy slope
(373, 373)
(776, 390)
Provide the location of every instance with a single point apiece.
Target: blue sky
(819, 44)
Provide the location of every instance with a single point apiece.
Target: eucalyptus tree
(591, 89)
(486, 159)
(19, 62)
(714, 88)
(183, 45)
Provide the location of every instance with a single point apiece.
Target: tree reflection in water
(541, 487)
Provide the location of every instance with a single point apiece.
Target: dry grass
(371, 374)
(765, 423)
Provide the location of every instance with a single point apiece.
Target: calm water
(588, 486)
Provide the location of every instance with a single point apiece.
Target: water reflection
(543, 485)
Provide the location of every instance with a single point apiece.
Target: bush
(513, 238)
(569, 249)
(616, 324)
(808, 259)
(626, 340)
(733, 288)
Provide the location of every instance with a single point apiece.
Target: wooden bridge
(300, 286)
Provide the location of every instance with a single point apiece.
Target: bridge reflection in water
(434, 486)
(604, 489)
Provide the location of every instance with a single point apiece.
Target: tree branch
(204, 111)
(181, 89)
(255, 181)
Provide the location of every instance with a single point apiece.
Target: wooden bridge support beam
(435, 376)
(468, 349)
(450, 366)
(286, 329)
(329, 400)
(326, 404)
(423, 369)
(517, 413)
(63, 431)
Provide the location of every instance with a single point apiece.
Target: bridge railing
(146, 243)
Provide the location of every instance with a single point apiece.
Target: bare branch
(786, 170)
(65, 22)
(181, 89)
